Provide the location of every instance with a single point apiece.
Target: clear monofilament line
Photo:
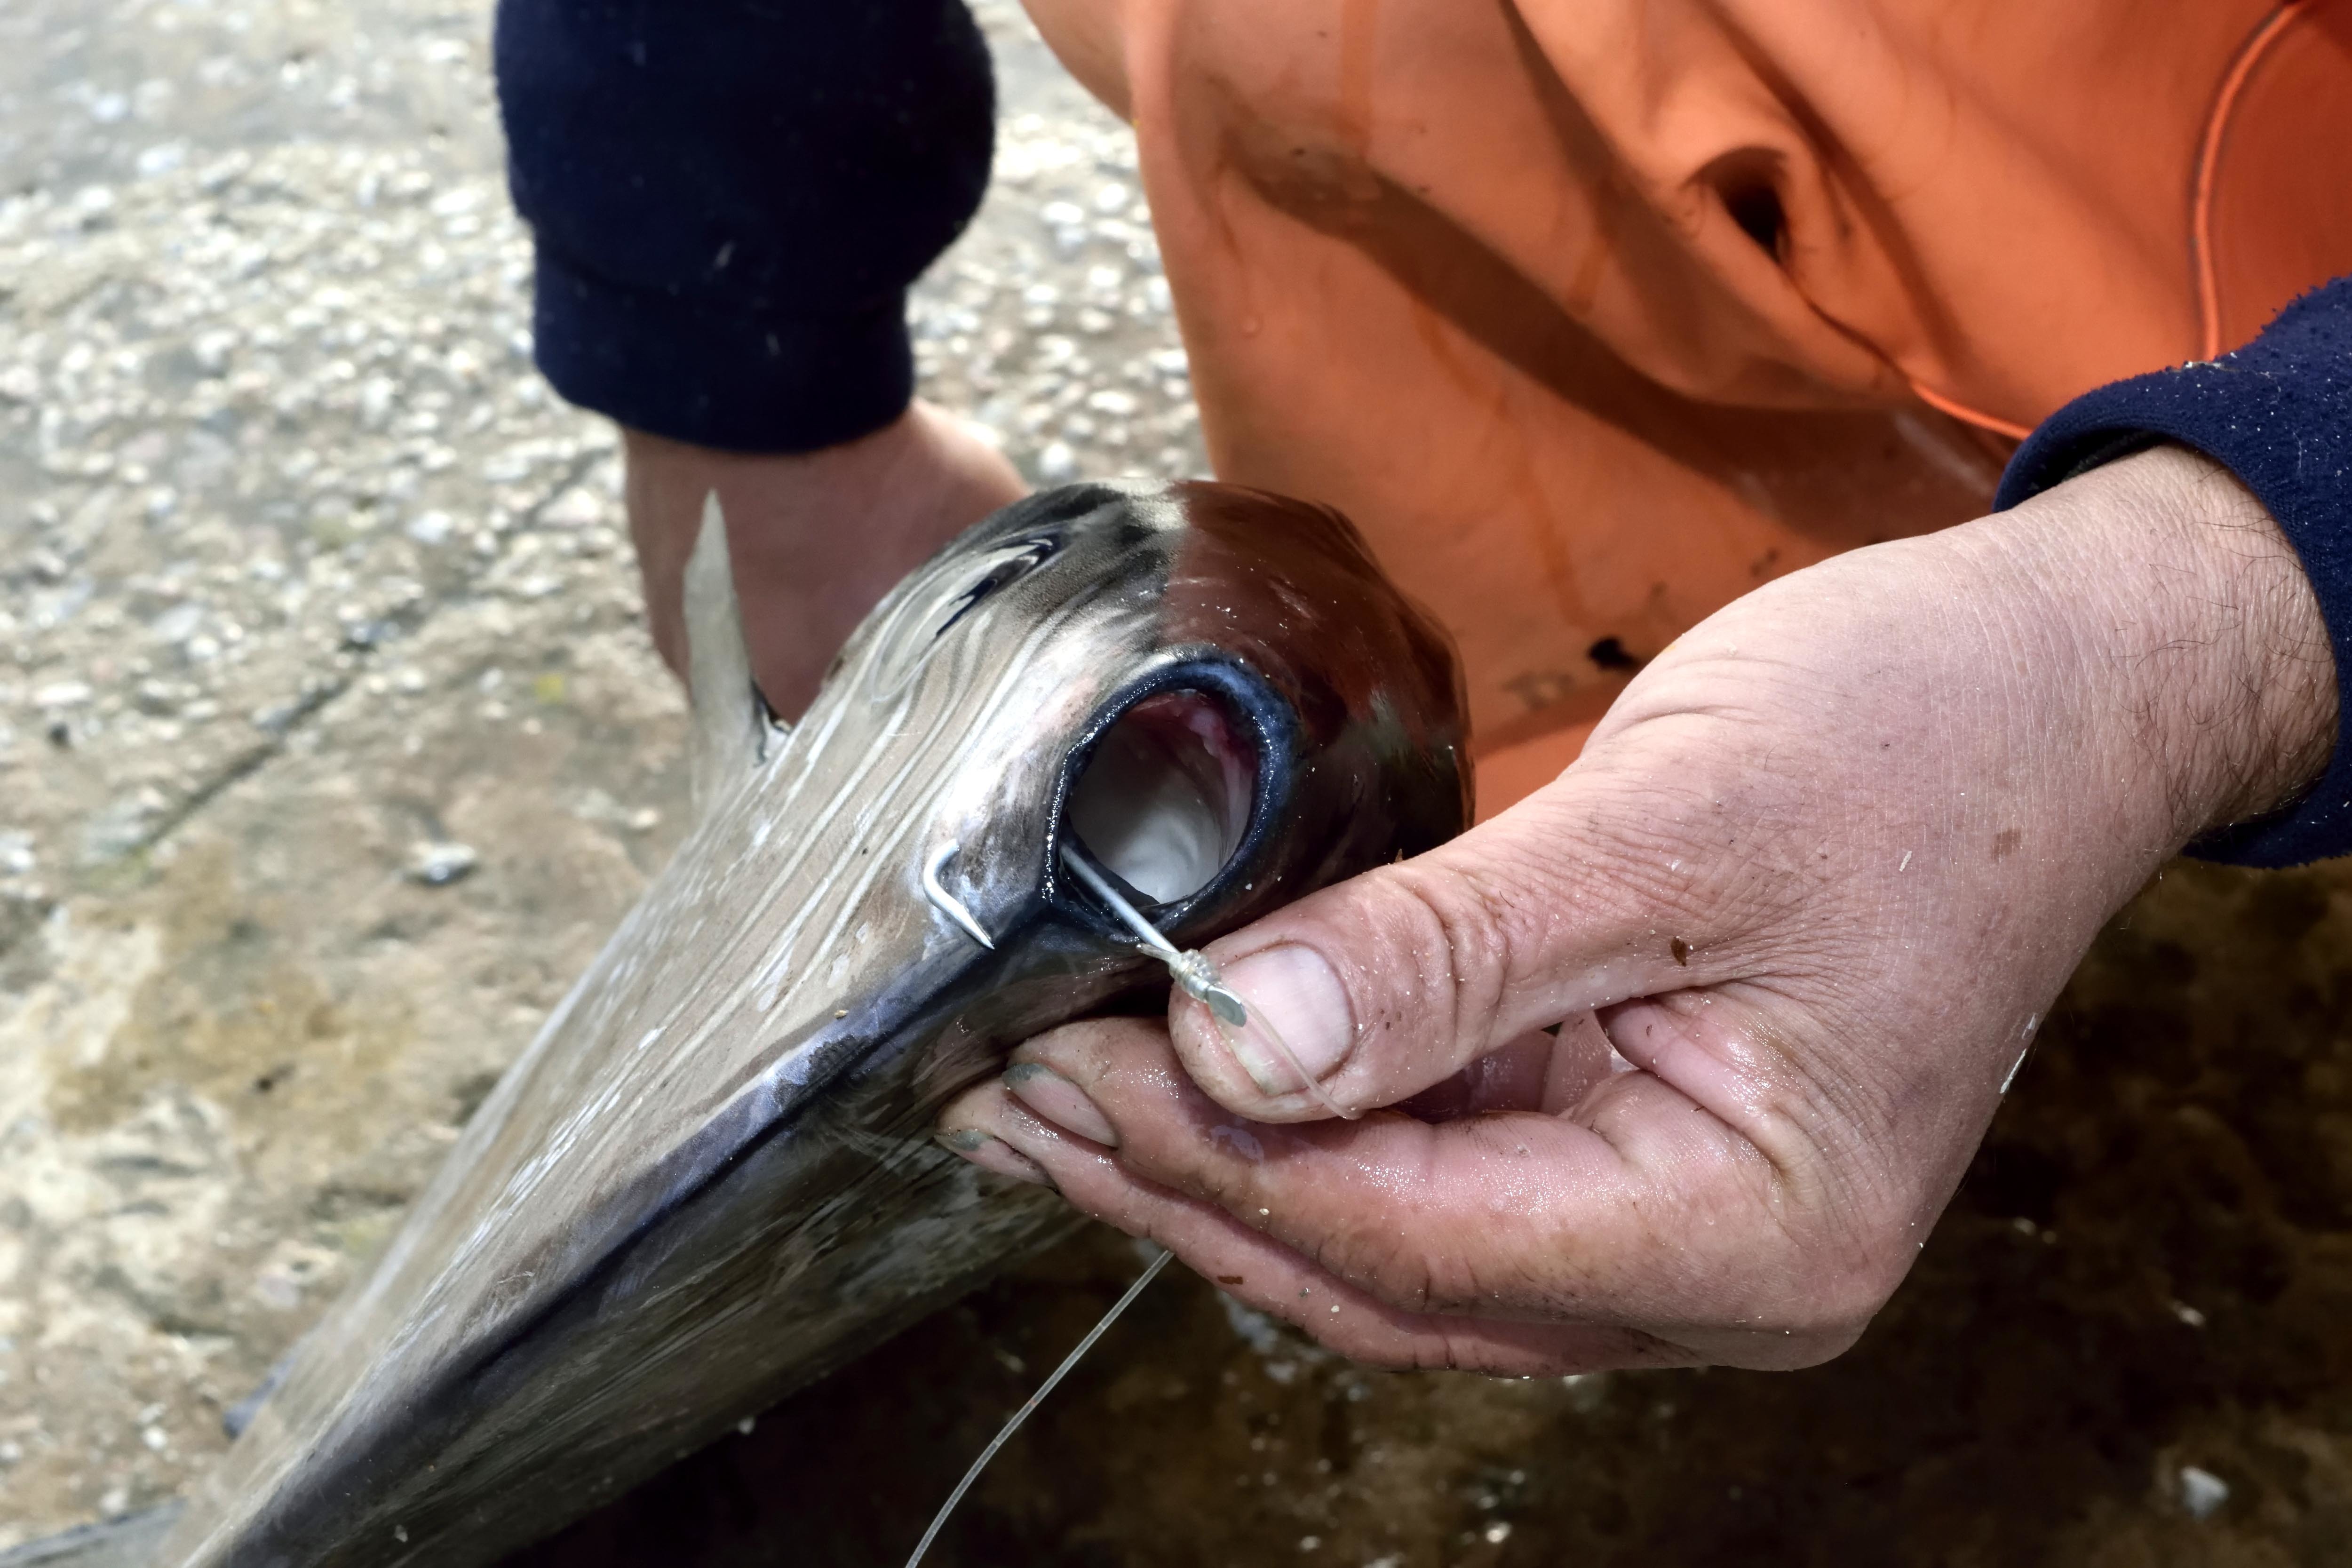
(1264, 1026)
(940, 1519)
(1100, 887)
(1199, 979)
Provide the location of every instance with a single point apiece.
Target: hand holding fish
(1797, 914)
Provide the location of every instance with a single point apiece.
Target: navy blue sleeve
(2277, 414)
(730, 198)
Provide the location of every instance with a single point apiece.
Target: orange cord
(1966, 415)
(2250, 55)
(2208, 158)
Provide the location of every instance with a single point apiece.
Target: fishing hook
(947, 903)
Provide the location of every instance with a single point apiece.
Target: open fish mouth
(710, 1178)
(1164, 798)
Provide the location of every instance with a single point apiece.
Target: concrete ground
(331, 747)
(331, 744)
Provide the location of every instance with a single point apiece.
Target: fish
(711, 1177)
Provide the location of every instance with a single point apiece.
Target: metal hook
(947, 903)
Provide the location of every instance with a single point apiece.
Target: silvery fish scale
(710, 1179)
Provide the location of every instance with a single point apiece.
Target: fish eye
(1010, 561)
(948, 592)
(1165, 796)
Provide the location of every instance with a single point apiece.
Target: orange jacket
(1594, 314)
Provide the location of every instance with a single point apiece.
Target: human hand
(1817, 878)
(816, 538)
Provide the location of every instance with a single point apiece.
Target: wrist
(816, 538)
(2210, 680)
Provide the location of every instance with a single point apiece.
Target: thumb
(1387, 984)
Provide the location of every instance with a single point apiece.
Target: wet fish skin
(710, 1179)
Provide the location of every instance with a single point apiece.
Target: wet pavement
(331, 747)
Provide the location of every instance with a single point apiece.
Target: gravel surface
(331, 748)
(329, 742)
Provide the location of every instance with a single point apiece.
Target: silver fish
(710, 1178)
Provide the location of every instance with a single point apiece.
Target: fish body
(710, 1179)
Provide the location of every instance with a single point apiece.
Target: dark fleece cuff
(2277, 414)
(663, 363)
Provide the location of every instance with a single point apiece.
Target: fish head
(711, 1177)
(1210, 690)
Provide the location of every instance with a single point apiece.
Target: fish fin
(730, 718)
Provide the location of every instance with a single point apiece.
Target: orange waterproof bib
(1595, 313)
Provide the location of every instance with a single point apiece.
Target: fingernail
(994, 1153)
(1293, 990)
(1059, 1102)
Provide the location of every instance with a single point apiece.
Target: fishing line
(1198, 978)
(1069, 1360)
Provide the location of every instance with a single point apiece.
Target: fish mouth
(1172, 793)
(1164, 799)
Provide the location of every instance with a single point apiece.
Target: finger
(1547, 1070)
(1261, 1272)
(1386, 985)
(1509, 1078)
(1583, 1059)
(1642, 1212)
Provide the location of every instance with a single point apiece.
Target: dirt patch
(223, 1012)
